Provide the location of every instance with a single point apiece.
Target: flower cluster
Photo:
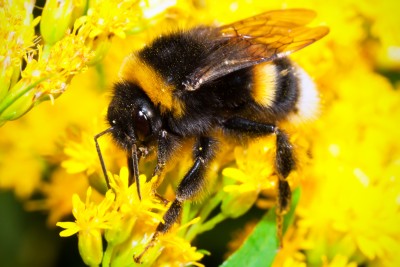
(73, 35)
(127, 223)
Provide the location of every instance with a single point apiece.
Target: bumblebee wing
(257, 39)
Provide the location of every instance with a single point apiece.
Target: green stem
(210, 224)
(213, 203)
(46, 51)
(204, 213)
(185, 217)
(9, 100)
(107, 256)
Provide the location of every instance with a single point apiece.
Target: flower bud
(90, 247)
(118, 233)
(56, 18)
(100, 46)
(14, 106)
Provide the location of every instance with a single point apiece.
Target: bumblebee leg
(284, 160)
(167, 143)
(188, 188)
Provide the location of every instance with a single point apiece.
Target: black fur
(287, 91)
(127, 102)
(245, 126)
(284, 196)
(170, 216)
(285, 162)
(176, 56)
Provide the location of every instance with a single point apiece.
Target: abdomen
(282, 90)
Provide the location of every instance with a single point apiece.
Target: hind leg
(284, 160)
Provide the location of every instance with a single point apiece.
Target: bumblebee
(198, 83)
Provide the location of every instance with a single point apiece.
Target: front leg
(188, 188)
(284, 159)
(167, 145)
(133, 165)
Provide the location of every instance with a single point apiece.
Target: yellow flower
(89, 215)
(17, 31)
(65, 51)
(81, 153)
(367, 219)
(91, 220)
(352, 185)
(253, 174)
(31, 142)
(46, 77)
(297, 259)
(120, 217)
(127, 196)
(132, 209)
(111, 17)
(177, 250)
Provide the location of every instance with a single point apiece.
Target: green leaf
(261, 247)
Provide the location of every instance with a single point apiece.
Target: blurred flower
(253, 173)
(81, 157)
(61, 187)
(350, 205)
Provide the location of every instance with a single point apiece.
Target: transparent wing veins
(257, 39)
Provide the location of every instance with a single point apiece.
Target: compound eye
(142, 125)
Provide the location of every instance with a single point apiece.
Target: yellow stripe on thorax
(161, 94)
(264, 84)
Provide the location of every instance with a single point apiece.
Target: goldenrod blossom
(254, 174)
(67, 50)
(120, 217)
(250, 176)
(131, 208)
(178, 250)
(80, 155)
(91, 220)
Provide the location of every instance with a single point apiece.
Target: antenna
(103, 166)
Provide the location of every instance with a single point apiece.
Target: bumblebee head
(132, 116)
